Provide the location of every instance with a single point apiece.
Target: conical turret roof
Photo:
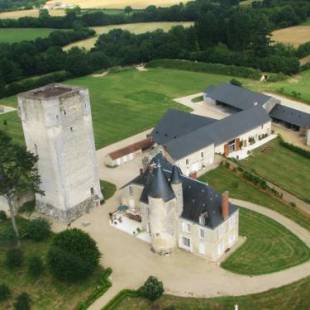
(159, 187)
(176, 175)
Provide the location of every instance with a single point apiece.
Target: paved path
(183, 274)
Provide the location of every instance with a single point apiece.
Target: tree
(152, 289)
(128, 9)
(4, 292)
(23, 302)
(73, 256)
(14, 258)
(18, 174)
(35, 266)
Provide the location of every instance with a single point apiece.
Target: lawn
(128, 102)
(282, 167)
(46, 292)
(269, 247)
(108, 189)
(292, 296)
(134, 28)
(222, 179)
(12, 35)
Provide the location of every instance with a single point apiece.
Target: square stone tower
(57, 126)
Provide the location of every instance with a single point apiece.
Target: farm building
(127, 153)
(180, 212)
(191, 141)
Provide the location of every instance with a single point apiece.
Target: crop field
(127, 102)
(29, 13)
(120, 4)
(12, 35)
(292, 35)
(134, 28)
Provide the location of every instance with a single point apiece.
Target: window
(187, 161)
(71, 129)
(36, 149)
(202, 233)
(186, 242)
(186, 227)
(92, 191)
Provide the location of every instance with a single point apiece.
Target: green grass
(46, 292)
(281, 166)
(307, 22)
(128, 102)
(222, 179)
(108, 189)
(12, 35)
(289, 297)
(269, 247)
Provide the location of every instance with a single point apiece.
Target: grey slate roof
(175, 175)
(206, 133)
(198, 197)
(175, 124)
(235, 96)
(291, 116)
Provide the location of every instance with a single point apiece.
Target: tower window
(71, 128)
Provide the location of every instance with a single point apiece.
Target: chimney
(225, 205)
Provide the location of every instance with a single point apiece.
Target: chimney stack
(225, 205)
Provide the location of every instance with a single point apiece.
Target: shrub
(14, 258)
(35, 266)
(4, 292)
(38, 229)
(3, 216)
(73, 255)
(22, 302)
(235, 82)
(27, 207)
(152, 288)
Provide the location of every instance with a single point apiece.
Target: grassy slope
(269, 247)
(46, 292)
(12, 35)
(129, 102)
(281, 166)
(136, 28)
(222, 179)
(108, 189)
(293, 296)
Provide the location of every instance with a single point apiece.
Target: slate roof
(235, 96)
(205, 133)
(175, 124)
(291, 116)
(198, 197)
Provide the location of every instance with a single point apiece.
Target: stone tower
(163, 213)
(57, 126)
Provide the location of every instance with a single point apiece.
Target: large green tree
(18, 174)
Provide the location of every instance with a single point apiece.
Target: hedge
(101, 288)
(232, 70)
(120, 297)
(294, 148)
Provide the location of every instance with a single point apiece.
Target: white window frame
(189, 242)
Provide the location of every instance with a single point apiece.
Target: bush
(14, 258)
(23, 302)
(73, 256)
(38, 229)
(152, 289)
(3, 216)
(4, 292)
(35, 266)
(27, 207)
(235, 82)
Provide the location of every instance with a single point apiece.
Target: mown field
(128, 102)
(292, 35)
(222, 179)
(29, 13)
(269, 247)
(12, 35)
(120, 4)
(136, 28)
(293, 296)
(281, 166)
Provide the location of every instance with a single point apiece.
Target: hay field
(29, 13)
(134, 28)
(119, 4)
(293, 35)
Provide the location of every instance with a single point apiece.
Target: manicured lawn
(128, 102)
(269, 246)
(12, 35)
(281, 166)
(108, 189)
(46, 292)
(293, 296)
(222, 179)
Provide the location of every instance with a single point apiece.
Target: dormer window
(203, 218)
